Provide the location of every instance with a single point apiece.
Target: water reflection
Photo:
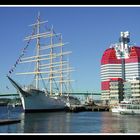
(117, 123)
(10, 113)
(64, 122)
(60, 122)
(57, 122)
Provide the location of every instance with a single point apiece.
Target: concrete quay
(80, 108)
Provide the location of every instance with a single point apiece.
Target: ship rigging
(51, 66)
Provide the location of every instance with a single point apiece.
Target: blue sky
(89, 31)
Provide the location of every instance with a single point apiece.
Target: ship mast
(49, 60)
(37, 53)
(61, 66)
(51, 63)
(69, 81)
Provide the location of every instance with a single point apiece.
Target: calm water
(63, 122)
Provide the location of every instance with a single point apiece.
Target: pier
(97, 108)
(9, 121)
(80, 108)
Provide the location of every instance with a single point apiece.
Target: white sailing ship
(51, 70)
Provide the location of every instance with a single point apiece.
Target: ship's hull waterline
(40, 103)
(37, 101)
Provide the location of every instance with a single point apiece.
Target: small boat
(117, 107)
(127, 113)
(131, 107)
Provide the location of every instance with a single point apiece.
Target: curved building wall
(110, 67)
(132, 64)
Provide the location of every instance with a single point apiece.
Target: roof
(134, 55)
(109, 57)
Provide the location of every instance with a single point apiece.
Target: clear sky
(89, 31)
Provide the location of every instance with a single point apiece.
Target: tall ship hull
(50, 71)
(41, 103)
(37, 101)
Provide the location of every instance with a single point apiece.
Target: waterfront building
(120, 71)
(116, 90)
(135, 88)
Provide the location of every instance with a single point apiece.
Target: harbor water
(69, 122)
